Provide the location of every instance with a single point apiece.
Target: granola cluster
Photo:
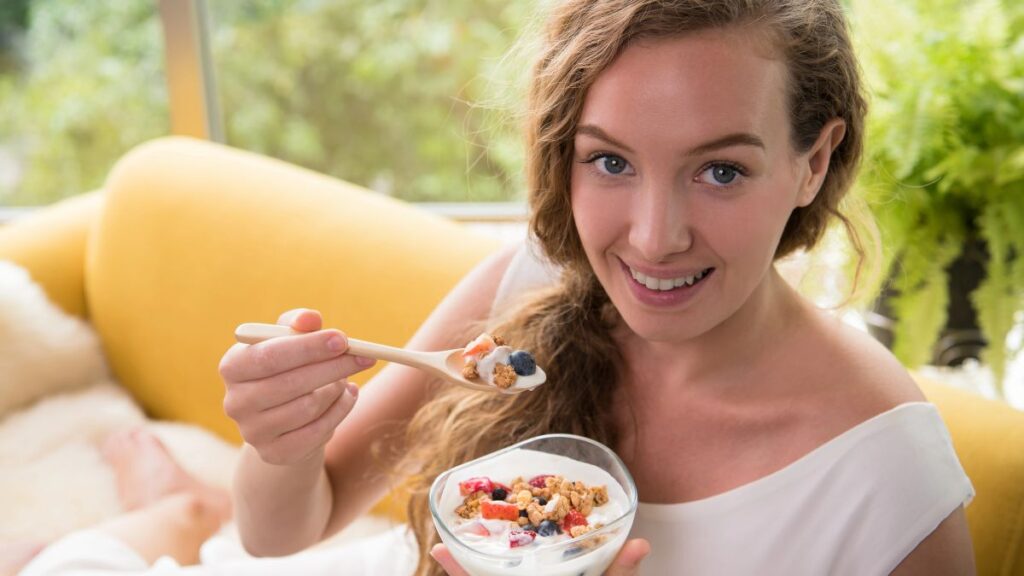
(470, 506)
(504, 376)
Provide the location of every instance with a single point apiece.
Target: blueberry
(523, 514)
(530, 528)
(499, 494)
(570, 552)
(541, 501)
(522, 362)
(547, 528)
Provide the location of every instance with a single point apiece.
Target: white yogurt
(531, 558)
(485, 365)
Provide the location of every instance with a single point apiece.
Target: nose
(661, 222)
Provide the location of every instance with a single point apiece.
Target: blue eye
(721, 174)
(609, 164)
(613, 164)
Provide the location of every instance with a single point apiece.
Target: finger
(279, 420)
(315, 434)
(279, 355)
(627, 563)
(301, 320)
(284, 388)
(230, 360)
(443, 556)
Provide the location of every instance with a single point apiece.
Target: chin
(661, 327)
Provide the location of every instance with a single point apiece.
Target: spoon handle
(386, 353)
(254, 332)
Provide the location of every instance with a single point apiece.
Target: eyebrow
(736, 139)
(591, 130)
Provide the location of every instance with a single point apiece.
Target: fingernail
(334, 343)
(364, 361)
(353, 390)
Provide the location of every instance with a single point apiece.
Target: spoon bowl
(446, 364)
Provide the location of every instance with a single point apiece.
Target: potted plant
(944, 164)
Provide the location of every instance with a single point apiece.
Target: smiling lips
(666, 284)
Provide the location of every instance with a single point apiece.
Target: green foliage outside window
(13, 20)
(87, 83)
(394, 94)
(391, 94)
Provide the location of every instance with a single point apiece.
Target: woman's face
(684, 177)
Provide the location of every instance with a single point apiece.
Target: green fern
(1000, 295)
(944, 158)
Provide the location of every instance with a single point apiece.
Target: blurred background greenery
(408, 97)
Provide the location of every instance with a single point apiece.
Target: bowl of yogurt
(552, 505)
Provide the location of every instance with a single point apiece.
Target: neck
(734, 348)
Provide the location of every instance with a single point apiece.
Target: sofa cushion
(196, 238)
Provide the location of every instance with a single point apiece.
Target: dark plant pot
(961, 338)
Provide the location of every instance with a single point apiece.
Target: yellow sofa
(189, 239)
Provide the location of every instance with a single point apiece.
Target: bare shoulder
(467, 305)
(862, 375)
(458, 318)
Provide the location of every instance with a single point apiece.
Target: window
(385, 94)
(80, 84)
(411, 98)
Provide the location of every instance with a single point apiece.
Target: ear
(817, 160)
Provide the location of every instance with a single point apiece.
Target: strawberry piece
(481, 483)
(517, 538)
(492, 510)
(573, 518)
(538, 481)
(479, 347)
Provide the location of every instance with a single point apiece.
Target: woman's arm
(288, 499)
(946, 551)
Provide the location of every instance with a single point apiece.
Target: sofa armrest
(50, 244)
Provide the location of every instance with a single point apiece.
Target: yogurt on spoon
(489, 360)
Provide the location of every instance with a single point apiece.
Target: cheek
(595, 217)
(750, 233)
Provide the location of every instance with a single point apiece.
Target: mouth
(678, 283)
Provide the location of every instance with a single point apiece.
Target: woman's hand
(288, 394)
(627, 563)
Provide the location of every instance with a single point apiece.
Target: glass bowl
(589, 461)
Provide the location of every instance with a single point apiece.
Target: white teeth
(664, 284)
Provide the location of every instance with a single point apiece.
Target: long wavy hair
(568, 326)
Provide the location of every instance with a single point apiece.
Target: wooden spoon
(446, 364)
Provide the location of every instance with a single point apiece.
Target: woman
(669, 143)
(676, 150)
